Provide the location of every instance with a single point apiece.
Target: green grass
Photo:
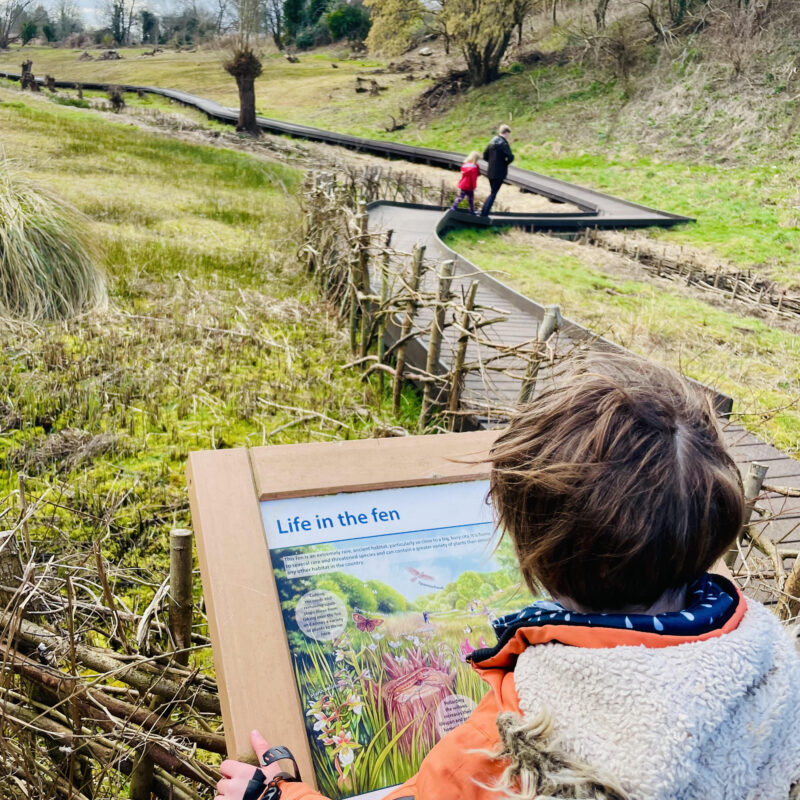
(758, 365)
(211, 338)
(568, 121)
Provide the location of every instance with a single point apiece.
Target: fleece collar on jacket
(710, 719)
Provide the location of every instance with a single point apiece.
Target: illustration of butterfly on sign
(366, 624)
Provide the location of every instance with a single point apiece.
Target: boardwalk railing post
(382, 311)
(551, 322)
(435, 344)
(180, 592)
(362, 256)
(752, 488)
(457, 373)
(408, 322)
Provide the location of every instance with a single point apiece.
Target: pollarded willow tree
(244, 64)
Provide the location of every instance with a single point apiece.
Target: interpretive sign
(345, 585)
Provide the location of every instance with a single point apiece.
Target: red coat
(469, 177)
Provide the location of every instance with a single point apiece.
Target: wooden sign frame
(251, 653)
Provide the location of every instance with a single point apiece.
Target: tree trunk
(247, 104)
(600, 14)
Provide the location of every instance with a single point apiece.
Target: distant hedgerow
(46, 266)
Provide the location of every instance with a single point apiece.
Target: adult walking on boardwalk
(498, 156)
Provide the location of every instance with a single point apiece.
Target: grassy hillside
(660, 138)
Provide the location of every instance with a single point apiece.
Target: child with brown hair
(646, 677)
(469, 180)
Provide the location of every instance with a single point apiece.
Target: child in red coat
(468, 182)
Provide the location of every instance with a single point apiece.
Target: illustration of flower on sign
(343, 752)
(337, 715)
(355, 703)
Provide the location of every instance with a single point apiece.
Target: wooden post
(385, 261)
(435, 344)
(180, 592)
(408, 322)
(10, 566)
(456, 376)
(551, 322)
(23, 513)
(362, 256)
(141, 782)
(752, 488)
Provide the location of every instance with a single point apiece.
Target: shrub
(46, 265)
(349, 22)
(28, 31)
(313, 36)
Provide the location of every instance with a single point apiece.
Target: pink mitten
(237, 775)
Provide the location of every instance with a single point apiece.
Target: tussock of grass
(47, 270)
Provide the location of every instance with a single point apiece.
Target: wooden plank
(367, 464)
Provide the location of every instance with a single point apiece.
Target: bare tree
(245, 65)
(222, 13)
(272, 16)
(120, 15)
(67, 17)
(11, 12)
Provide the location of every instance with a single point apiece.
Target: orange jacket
(461, 761)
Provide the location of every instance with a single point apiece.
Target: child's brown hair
(615, 485)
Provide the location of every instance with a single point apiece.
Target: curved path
(597, 210)
(414, 224)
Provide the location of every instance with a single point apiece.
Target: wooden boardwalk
(778, 516)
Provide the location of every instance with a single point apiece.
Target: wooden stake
(23, 514)
(456, 375)
(385, 261)
(408, 322)
(752, 488)
(435, 344)
(141, 783)
(180, 592)
(551, 322)
(362, 267)
(10, 566)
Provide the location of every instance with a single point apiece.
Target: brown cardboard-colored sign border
(251, 653)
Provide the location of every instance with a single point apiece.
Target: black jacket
(498, 155)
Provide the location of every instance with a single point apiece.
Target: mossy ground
(213, 336)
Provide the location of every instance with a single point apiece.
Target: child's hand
(236, 775)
